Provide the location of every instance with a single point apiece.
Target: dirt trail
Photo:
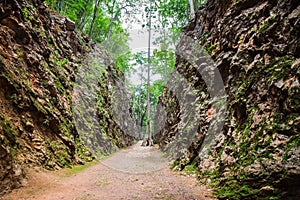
(134, 173)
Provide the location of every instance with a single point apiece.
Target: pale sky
(139, 40)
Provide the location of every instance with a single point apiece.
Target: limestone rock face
(40, 55)
(255, 46)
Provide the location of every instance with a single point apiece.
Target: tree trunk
(59, 5)
(94, 17)
(164, 46)
(82, 17)
(141, 123)
(149, 138)
(114, 16)
(165, 56)
(192, 9)
(109, 29)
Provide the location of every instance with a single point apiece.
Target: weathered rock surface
(40, 55)
(102, 114)
(256, 47)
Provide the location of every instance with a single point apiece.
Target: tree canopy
(103, 22)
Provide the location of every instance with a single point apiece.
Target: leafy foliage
(101, 20)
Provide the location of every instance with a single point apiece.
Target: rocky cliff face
(102, 114)
(40, 55)
(255, 45)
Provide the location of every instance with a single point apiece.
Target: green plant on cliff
(27, 15)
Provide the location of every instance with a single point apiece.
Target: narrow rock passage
(134, 173)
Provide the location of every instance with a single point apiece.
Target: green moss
(61, 154)
(204, 36)
(191, 169)
(255, 29)
(25, 13)
(294, 142)
(38, 106)
(234, 190)
(78, 168)
(266, 24)
(44, 64)
(58, 85)
(9, 133)
(63, 158)
(20, 55)
(9, 74)
(247, 152)
(208, 47)
(62, 62)
(46, 122)
(279, 69)
(66, 127)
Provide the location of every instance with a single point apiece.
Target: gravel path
(135, 173)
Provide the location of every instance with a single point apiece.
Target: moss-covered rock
(256, 46)
(40, 55)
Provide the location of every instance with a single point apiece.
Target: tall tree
(59, 5)
(150, 142)
(192, 9)
(115, 9)
(94, 17)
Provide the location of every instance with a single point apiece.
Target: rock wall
(102, 114)
(255, 45)
(40, 55)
